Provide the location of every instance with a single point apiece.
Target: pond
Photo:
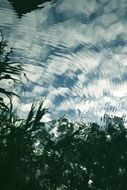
(74, 54)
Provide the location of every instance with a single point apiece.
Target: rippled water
(75, 55)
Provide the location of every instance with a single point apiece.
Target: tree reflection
(22, 7)
(76, 156)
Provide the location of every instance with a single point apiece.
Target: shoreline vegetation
(58, 155)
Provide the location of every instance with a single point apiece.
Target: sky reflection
(76, 52)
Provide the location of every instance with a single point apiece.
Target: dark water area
(74, 55)
(23, 7)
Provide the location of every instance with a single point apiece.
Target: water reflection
(76, 52)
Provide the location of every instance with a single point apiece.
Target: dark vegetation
(59, 155)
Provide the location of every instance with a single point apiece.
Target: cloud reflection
(76, 52)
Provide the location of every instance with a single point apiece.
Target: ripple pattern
(75, 55)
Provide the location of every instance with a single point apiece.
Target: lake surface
(75, 56)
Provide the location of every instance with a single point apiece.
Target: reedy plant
(9, 70)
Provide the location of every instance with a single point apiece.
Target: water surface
(74, 54)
